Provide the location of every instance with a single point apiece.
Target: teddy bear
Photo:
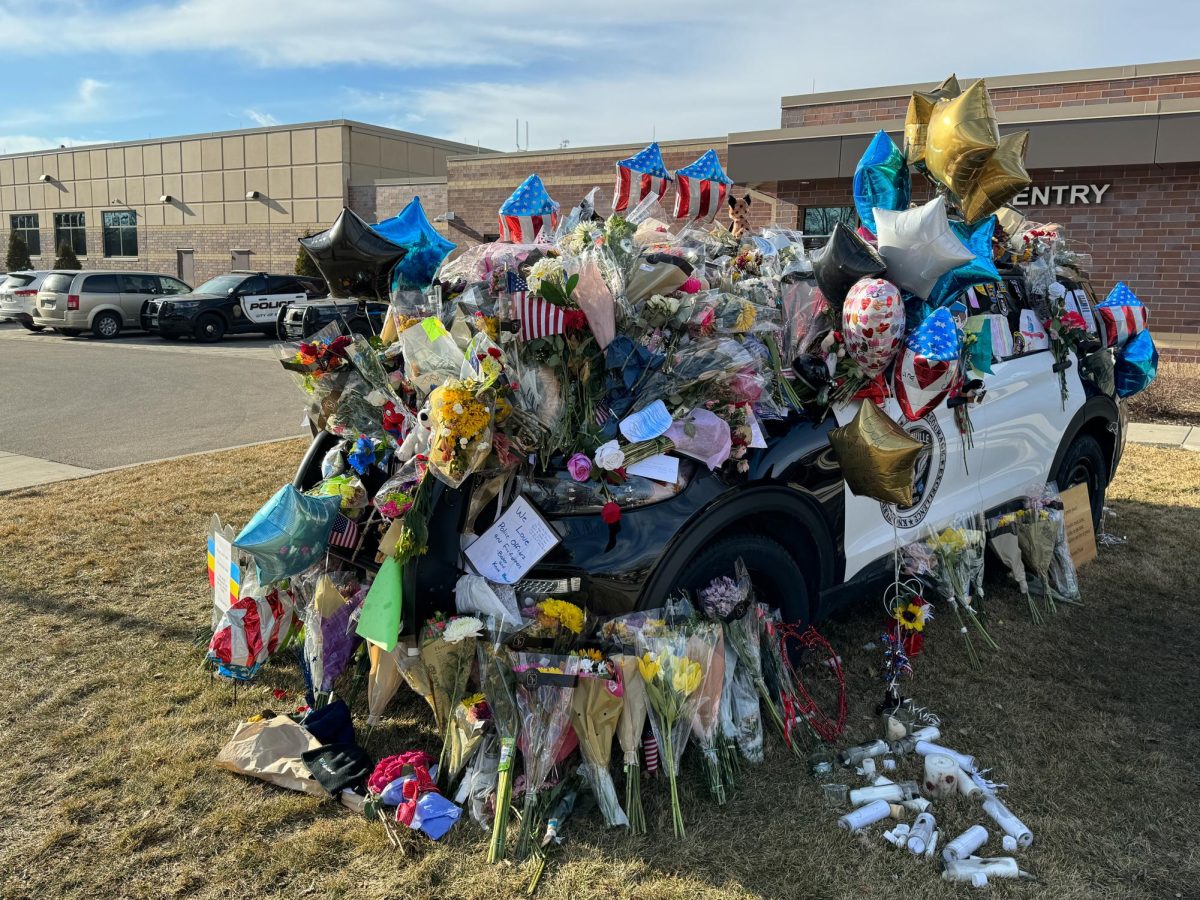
(739, 215)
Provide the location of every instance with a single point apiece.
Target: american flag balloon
(1122, 315)
(527, 211)
(249, 632)
(927, 364)
(644, 174)
(700, 188)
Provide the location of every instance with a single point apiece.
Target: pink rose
(580, 467)
(691, 286)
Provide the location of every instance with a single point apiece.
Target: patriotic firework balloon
(527, 212)
(873, 323)
(1122, 315)
(700, 188)
(638, 177)
(927, 365)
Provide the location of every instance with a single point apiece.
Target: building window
(69, 229)
(822, 219)
(120, 233)
(26, 228)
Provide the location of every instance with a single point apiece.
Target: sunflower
(911, 617)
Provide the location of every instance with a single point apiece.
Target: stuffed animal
(739, 215)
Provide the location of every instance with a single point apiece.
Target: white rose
(609, 456)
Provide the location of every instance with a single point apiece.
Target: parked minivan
(101, 301)
(18, 296)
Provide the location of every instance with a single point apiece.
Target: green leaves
(557, 295)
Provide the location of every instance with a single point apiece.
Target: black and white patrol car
(237, 303)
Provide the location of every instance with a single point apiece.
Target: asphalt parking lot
(85, 404)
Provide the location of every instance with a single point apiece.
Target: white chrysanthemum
(462, 627)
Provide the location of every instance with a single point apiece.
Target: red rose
(574, 320)
(611, 513)
(494, 352)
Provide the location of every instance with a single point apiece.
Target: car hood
(196, 297)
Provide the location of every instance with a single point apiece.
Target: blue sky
(619, 70)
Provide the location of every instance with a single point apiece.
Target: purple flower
(580, 467)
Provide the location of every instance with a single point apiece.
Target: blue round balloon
(881, 179)
(978, 239)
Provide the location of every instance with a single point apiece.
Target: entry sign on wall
(1061, 195)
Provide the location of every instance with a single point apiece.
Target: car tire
(106, 325)
(70, 332)
(209, 329)
(778, 579)
(1084, 463)
(29, 326)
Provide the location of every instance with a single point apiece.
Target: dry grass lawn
(1173, 398)
(110, 727)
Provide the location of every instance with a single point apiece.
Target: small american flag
(344, 533)
(538, 317)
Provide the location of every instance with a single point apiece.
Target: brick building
(1114, 155)
(199, 205)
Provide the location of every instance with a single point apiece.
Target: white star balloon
(918, 246)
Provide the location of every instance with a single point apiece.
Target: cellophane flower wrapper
(673, 681)
(479, 782)
(431, 358)
(706, 645)
(1063, 581)
(461, 415)
(499, 686)
(468, 724)
(349, 487)
(748, 688)
(777, 674)
(449, 666)
(1038, 534)
(711, 368)
(357, 415)
(1003, 534)
(334, 640)
(958, 550)
(544, 705)
(596, 709)
(630, 728)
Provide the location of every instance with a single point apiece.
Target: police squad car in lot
(237, 303)
(809, 544)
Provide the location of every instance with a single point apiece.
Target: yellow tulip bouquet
(672, 681)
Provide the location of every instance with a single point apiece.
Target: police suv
(237, 303)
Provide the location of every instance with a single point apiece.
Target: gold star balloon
(877, 456)
(961, 139)
(1002, 177)
(916, 122)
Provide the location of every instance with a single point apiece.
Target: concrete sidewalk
(1181, 437)
(17, 471)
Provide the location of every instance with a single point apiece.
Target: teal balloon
(978, 239)
(1137, 365)
(413, 231)
(289, 534)
(881, 180)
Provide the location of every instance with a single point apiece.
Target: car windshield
(222, 284)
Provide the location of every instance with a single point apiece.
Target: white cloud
(90, 91)
(260, 118)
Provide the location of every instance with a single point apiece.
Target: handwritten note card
(512, 546)
(647, 424)
(659, 468)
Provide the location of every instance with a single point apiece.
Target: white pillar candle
(865, 815)
(941, 776)
(965, 870)
(966, 843)
(967, 763)
(1008, 822)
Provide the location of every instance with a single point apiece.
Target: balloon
(1122, 316)
(812, 371)
(873, 324)
(877, 456)
(1137, 365)
(1001, 179)
(978, 239)
(289, 533)
(919, 246)
(916, 121)
(1012, 222)
(927, 365)
(881, 179)
(355, 259)
(413, 231)
(962, 137)
(844, 260)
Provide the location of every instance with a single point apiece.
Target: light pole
(259, 195)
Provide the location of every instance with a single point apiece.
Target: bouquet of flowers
(468, 723)
(558, 622)
(1004, 535)
(596, 707)
(706, 641)
(545, 688)
(499, 687)
(744, 636)
(630, 727)
(672, 684)
(777, 674)
(447, 649)
(958, 550)
(460, 414)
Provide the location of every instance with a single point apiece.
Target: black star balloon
(355, 259)
(844, 260)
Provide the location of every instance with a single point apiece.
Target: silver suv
(101, 301)
(18, 293)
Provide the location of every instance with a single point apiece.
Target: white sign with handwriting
(512, 546)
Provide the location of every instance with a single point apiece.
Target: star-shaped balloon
(881, 179)
(844, 260)
(916, 121)
(1012, 222)
(877, 456)
(978, 239)
(1001, 179)
(918, 246)
(961, 139)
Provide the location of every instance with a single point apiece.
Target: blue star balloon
(412, 230)
(881, 180)
(978, 239)
(1137, 365)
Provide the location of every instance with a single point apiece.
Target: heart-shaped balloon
(873, 324)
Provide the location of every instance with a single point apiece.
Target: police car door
(946, 483)
(260, 304)
(1023, 417)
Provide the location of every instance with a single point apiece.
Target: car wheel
(70, 332)
(29, 326)
(778, 579)
(210, 328)
(1083, 463)
(106, 325)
